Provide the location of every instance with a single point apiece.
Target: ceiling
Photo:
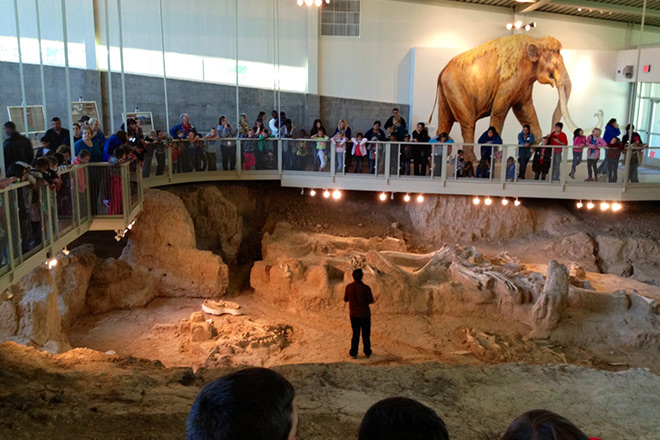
(626, 11)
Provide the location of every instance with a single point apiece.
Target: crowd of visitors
(259, 404)
(412, 153)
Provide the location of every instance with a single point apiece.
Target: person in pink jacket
(594, 141)
(579, 141)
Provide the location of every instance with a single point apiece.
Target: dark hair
(41, 162)
(44, 139)
(55, 119)
(444, 134)
(422, 124)
(628, 127)
(255, 404)
(75, 124)
(130, 121)
(527, 126)
(377, 122)
(84, 153)
(60, 158)
(559, 124)
(611, 121)
(359, 135)
(16, 170)
(541, 424)
(576, 133)
(493, 129)
(287, 122)
(121, 134)
(395, 109)
(402, 418)
(10, 125)
(221, 118)
(358, 274)
(64, 149)
(459, 152)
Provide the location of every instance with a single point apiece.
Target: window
(341, 18)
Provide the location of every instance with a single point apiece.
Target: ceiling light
(318, 3)
(302, 191)
(517, 24)
(406, 198)
(65, 251)
(579, 204)
(527, 27)
(488, 201)
(604, 206)
(382, 197)
(516, 202)
(312, 192)
(300, 2)
(509, 26)
(336, 194)
(420, 198)
(476, 200)
(590, 205)
(505, 201)
(326, 193)
(616, 206)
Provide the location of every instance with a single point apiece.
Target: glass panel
(4, 237)
(65, 201)
(155, 159)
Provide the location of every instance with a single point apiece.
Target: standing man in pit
(358, 296)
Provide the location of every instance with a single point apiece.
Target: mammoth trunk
(563, 84)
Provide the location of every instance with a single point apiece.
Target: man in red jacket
(358, 296)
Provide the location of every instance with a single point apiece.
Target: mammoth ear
(533, 52)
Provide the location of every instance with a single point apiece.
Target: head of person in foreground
(398, 418)
(255, 404)
(540, 424)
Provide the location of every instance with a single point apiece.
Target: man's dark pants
(364, 325)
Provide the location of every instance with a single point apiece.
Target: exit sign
(646, 69)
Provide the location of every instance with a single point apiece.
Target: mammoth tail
(435, 101)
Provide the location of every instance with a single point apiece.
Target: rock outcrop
(33, 318)
(162, 246)
(72, 275)
(115, 285)
(553, 302)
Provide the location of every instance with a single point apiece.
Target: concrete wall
(204, 102)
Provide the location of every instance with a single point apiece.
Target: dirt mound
(85, 394)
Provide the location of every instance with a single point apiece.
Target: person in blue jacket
(612, 130)
(490, 137)
(116, 140)
(525, 140)
(184, 126)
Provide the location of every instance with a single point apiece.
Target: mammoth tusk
(567, 116)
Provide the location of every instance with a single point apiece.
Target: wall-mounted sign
(84, 108)
(35, 118)
(145, 121)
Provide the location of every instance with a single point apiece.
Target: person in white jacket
(338, 142)
(359, 151)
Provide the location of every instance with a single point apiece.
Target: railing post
(280, 150)
(432, 161)
(125, 190)
(443, 160)
(388, 159)
(10, 230)
(170, 165)
(74, 195)
(562, 174)
(502, 168)
(239, 159)
(333, 158)
(626, 164)
(398, 159)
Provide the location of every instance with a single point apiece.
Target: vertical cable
(238, 114)
(162, 45)
(121, 59)
(631, 109)
(107, 45)
(41, 63)
(67, 73)
(20, 67)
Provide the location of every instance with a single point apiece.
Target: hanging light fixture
(420, 198)
(406, 198)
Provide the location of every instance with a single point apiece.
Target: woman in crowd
(339, 141)
(490, 137)
(612, 130)
(615, 147)
(421, 153)
(636, 156)
(438, 164)
(315, 127)
(260, 118)
(243, 125)
(525, 142)
(98, 137)
(579, 141)
(86, 144)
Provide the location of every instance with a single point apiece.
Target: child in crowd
(263, 147)
(65, 151)
(45, 148)
(594, 141)
(542, 159)
(359, 151)
(483, 169)
(114, 203)
(510, 169)
(177, 152)
(211, 141)
(249, 148)
(338, 142)
(579, 141)
(458, 163)
(636, 155)
(321, 146)
(442, 138)
(405, 153)
(302, 152)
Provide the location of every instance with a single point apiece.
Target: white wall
(649, 56)
(389, 29)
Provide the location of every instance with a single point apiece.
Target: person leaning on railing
(525, 142)
(636, 155)
(614, 149)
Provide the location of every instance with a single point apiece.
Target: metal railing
(498, 169)
(37, 220)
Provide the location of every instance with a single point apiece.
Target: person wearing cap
(16, 147)
(56, 134)
(358, 296)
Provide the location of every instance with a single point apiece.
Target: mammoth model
(497, 76)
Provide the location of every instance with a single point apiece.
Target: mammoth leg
(526, 114)
(467, 130)
(445, 116)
